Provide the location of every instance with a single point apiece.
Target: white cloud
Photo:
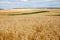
(45, 0)
(40, 0)
(24, 0)
(5, 2)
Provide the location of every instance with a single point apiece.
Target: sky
(9, 4)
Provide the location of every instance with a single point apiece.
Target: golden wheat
(30, 27)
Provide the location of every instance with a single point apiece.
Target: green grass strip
(53, 15)
(26, 13)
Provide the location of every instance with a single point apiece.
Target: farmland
(30, 11)
(30, 24)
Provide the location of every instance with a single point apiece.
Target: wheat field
(30, 27)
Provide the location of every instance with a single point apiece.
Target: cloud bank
(7, 4)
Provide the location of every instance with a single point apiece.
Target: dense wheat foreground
(30, 27)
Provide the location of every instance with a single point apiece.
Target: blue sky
(8, 4)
